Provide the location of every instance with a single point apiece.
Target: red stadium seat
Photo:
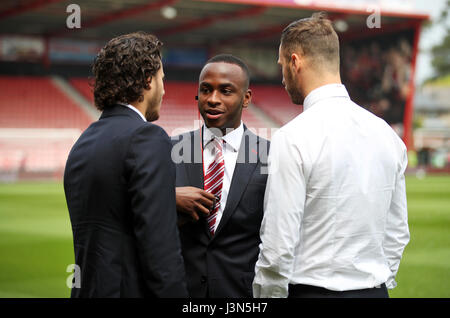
(35, 102)
(275, 102)
(38, 125)
(35, 105)
(81, 84)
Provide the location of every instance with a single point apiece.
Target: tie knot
(218, 144)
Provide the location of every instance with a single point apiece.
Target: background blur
(395, 62)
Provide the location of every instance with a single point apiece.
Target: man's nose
(213, 98)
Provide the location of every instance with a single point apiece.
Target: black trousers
(306, 291)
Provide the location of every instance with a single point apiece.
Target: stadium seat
(81, 84)
(35, 102)
(35, 105)
(38, 125)
(275, 102)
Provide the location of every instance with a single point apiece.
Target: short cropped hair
(231, 59)
(122, 67)
(315, 38)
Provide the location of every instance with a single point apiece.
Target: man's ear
(149, 82)
(247, 98)
(296, 62)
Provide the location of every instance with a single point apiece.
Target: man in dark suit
(120, 181)
(220, 185)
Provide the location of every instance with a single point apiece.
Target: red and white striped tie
(214, 181)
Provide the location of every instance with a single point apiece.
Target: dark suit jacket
(223, 265)
(119, 184)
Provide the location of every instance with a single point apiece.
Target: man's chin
(212, 123)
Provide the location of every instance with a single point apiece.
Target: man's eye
(226, 91)
(204, 90)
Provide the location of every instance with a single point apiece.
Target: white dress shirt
(335, 211)
(232, 142)
(134, 109)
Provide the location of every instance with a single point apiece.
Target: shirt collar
(324, 92)
(232, 139)
(133, 108)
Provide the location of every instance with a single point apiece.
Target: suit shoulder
(148, 137)
(151, 130)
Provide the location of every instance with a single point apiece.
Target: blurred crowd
(376, 74)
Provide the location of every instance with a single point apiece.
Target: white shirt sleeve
(284, 203)
(397, 231)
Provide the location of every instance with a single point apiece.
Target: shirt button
(203, 279)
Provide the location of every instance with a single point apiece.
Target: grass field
(36, 240)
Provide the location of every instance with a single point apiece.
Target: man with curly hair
(119, 181)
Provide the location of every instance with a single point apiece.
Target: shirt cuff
(391, 284)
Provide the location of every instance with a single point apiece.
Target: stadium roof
(197, 23)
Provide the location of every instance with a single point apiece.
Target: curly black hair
(122, 67)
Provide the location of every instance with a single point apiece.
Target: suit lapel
(245, 166)
(194, 170)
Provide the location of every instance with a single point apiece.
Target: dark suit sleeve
(152, 192)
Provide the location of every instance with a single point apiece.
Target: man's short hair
(315, 38)
(122, 67)
(231, 59)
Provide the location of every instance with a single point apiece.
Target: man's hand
(194, 201)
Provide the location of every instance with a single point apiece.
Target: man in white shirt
(335, 215)
(220, 185)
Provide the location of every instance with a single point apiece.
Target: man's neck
(140, 107)
(222, 132)
(319, 80)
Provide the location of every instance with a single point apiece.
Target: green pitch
(36, 240)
